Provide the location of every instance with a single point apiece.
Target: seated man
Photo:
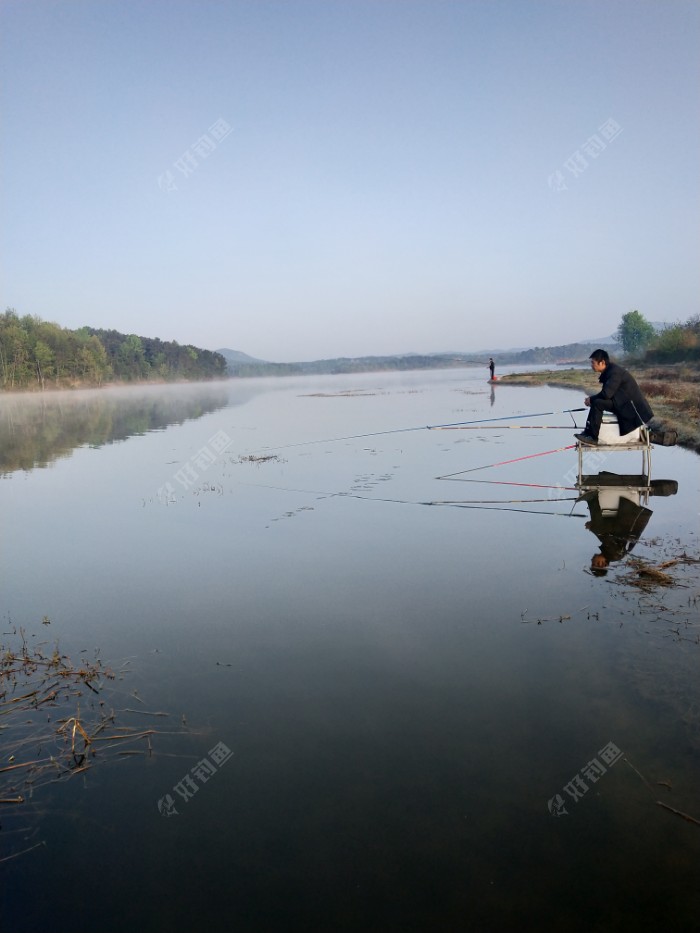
(620, 394)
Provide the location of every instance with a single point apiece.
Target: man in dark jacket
(619, 394)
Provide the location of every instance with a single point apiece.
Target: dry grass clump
(55, 723)
(647, 576)
(45, 732)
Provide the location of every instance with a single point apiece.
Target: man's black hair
(600, 356)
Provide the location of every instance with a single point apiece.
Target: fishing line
(424, 427)
(456, 505)
(504, 462)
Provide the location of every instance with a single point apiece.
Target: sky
(307, 179)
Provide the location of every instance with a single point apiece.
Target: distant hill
(235, 356)
(599, 341)
(566, 353)
(240, 364)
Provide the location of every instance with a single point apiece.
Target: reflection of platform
(618, 503)
(621, 480)
(635, 486)
(640, 440)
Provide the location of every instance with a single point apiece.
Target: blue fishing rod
(536, 414)
(423, 427)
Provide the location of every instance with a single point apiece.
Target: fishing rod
(498, 501)
(422, 427)
(503, 482)
(494, 508)
(536, 414)
(503, 427)
(504, 462)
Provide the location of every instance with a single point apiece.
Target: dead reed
(646, 576)
(56, 722)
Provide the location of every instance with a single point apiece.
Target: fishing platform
(611, 441)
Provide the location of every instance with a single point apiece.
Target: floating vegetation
(659, 803)
(346, 393)
(55, 722)
(303, 508)
(685, 816)
(259, 460)
(647, 576)
(216, 488)
(650, 591)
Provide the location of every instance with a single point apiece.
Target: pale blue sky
(386, 177)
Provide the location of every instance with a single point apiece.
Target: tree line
(345, 365)
(40, 354)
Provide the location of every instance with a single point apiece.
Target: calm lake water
(395, 702)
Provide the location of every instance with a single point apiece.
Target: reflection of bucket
(609, 499)
(610, 431)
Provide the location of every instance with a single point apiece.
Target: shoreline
(673, 391)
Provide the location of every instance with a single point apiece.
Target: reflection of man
(618, 529)
(619, 393)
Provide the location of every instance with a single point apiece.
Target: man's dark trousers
(595, 416)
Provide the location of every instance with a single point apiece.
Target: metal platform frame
(644, 444)
(632, 482)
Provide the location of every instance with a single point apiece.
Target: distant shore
(673, 391)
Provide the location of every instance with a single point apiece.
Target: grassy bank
(673, 391)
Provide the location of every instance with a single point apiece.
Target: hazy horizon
(309, 180)
(420, 352)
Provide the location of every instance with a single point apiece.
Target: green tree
(634, 332)
(43, 354)
(131, 359)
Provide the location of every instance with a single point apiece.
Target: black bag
(664, 487)
(664, 438)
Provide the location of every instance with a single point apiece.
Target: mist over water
(413, 675)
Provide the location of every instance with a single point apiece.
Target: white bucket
(610, 432)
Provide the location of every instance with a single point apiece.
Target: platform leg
(579, 449)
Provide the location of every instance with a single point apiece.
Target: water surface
(408, 671)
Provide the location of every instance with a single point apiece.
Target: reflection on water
(619, 513)
(39, 428)
(396, 728)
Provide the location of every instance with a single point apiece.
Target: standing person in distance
(492, 367)
(619, 394)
